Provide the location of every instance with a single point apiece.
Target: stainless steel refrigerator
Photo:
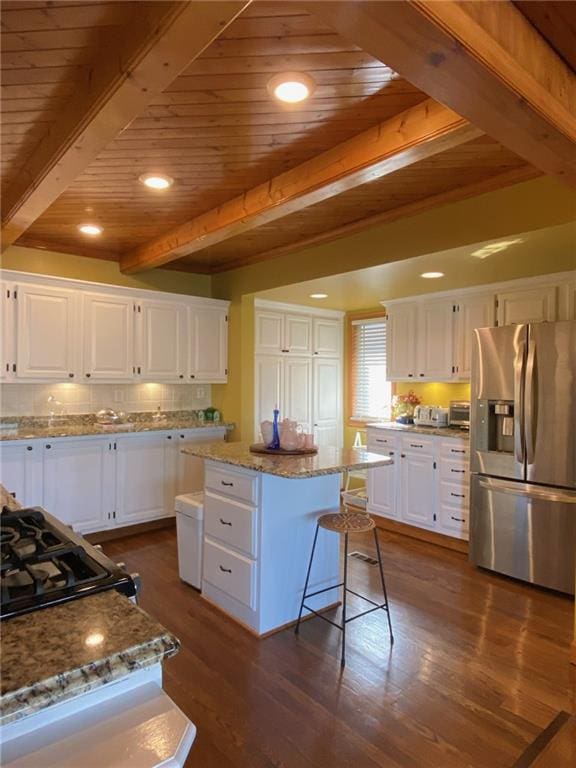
(523, 452)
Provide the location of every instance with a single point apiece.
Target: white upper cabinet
(297, 401)
(434, 355)
(7, 338)
(402, 329)
(108, 323)
(471, 312)
(208, 344)
(47, 342)
(162, 341)
(534, 305)
(297, 335)
(327, 337)
(269, 333)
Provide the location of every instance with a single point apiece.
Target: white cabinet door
(297, 335)
(21, 471)
(471, 312)
(208, 345)
(297, 400)
(163, 341)
(145, 478)
(327, 337)
(435, 348)
(108, 337)
(48, 337)
(268, 389)
(269, 333)
(7, 332)
(418, 489)
(534, 305)
(79, 482)
(401, 341)
(381, 486)
(327, 406)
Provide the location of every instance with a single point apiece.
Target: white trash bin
(189, 529)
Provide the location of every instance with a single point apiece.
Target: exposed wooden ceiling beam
(125, 80)
(484, 60)
(421, 131)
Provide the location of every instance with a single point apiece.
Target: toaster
(430, 416)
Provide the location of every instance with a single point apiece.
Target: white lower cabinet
(428, 485)
(94, 483)
(22, 470)
(79, 482)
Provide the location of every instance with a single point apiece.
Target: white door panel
(435, 347)
(208, 334)
(534, 305)
(269, 333)
(418, 489)
(297, 401)
(297, 335)
(108, 337)
(21, 471)
(145, 478)
(327, 337)
(473, 312)
(402, 337)
(269, 389)
(163, 334)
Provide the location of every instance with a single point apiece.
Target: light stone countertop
(462, 434)
(328, 460)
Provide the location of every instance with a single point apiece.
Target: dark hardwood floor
(479, 667)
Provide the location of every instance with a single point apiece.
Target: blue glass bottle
(275, 433)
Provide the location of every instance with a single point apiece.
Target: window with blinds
(371, 392)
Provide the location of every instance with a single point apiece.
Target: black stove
(43, 563)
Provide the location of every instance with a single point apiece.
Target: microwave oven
(459, 414)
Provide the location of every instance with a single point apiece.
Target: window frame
(351, 318)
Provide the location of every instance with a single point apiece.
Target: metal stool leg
(297, 628)
(383, 584)
(344, 598)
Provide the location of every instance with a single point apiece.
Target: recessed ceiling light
(90, 229)
(156, 180)
(432, 275)
(318, 295)
(291, 87)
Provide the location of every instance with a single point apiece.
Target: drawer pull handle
(381, 441)
(458, 471)
(457, 519)
(229, 485)
(456, 450)
(403, 455)
(416, 445)
(225, 570)
(458, 495)
(225, 522)
(391, 453)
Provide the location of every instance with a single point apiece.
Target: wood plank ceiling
(217, 132)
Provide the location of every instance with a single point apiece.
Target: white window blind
(371, 392)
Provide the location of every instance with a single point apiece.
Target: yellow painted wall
(433, 393)
(100, 271)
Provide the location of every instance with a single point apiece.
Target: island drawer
(230, 521)
(230, 572)
(227, 482)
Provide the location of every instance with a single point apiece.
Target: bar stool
(345, 522)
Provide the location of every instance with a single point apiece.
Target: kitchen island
(260, 514)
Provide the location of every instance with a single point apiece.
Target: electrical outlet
(118, 396)
(200, 392)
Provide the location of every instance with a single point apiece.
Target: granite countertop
(463, 434)
(7, 500)
(328, 460)
(57, 653)
(29, 428)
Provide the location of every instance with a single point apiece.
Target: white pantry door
(327, 413)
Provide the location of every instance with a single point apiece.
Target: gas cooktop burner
(42, 562)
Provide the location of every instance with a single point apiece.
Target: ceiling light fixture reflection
(90, 229)
(432, 275)
(318, 295)
(291, 87)
(156, 180)
(490, 250)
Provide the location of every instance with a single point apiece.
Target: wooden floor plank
(479, 668)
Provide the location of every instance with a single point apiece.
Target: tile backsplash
(32, 399)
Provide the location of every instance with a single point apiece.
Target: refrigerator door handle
(518, 403)
(528, 491)
(529, 425)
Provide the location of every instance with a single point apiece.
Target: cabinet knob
(225, 570)
(182, 436)
(422, 374)
(192, 376)
(88, 375)
(410, 375)
(168, 437)
(48, 446)
(70, 375)
(181, 376)
(403, 455)
(28, 447)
